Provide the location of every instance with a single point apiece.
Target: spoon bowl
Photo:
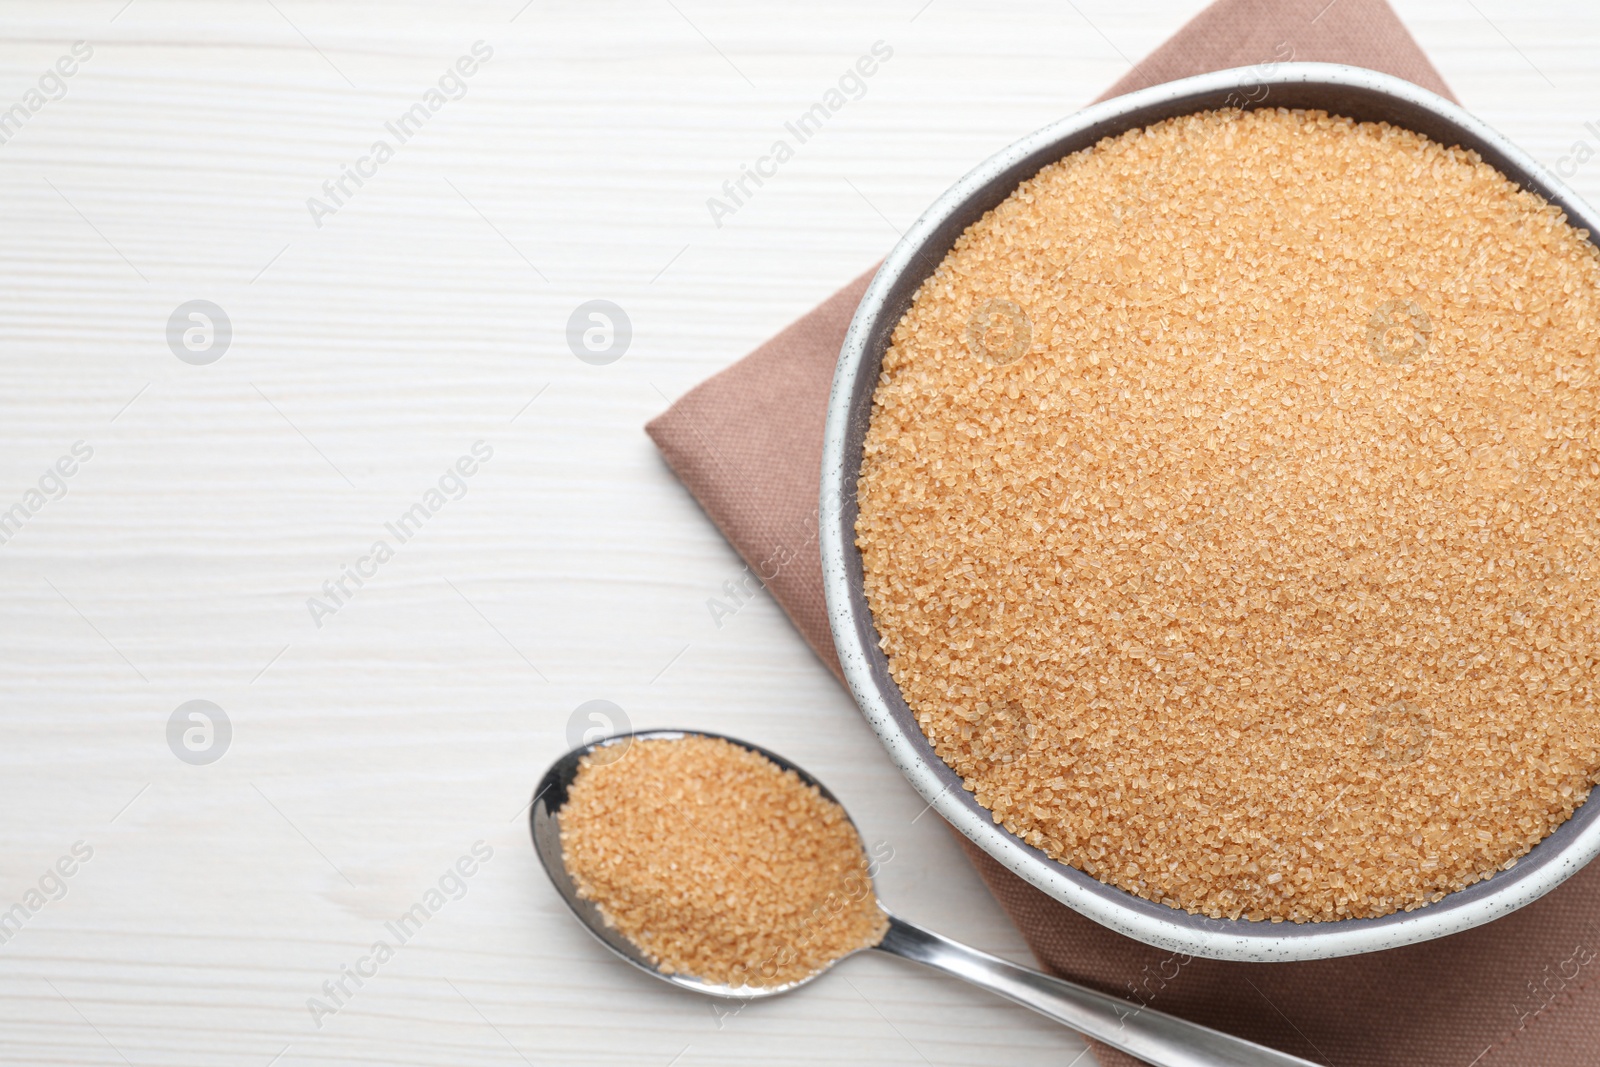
(544, 822)
(1155, 1037)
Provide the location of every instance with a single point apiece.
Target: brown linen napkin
(748, 444)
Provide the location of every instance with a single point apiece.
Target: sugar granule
(718, 863)
(1229, 512)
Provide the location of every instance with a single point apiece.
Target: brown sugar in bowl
(1253, 853)
(1220, 594)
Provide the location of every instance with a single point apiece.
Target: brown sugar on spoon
(1229, 515)
(718, 863)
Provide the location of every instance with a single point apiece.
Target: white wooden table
(426, 312)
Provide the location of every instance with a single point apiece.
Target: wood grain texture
(368, 354)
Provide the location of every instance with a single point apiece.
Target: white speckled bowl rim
(1350, 91)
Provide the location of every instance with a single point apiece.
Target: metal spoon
(1155, 1037)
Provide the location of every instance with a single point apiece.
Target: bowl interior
(1351, 92)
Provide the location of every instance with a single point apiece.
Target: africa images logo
(851, 85)
(452, 85)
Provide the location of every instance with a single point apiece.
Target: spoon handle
(1152, 1036)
